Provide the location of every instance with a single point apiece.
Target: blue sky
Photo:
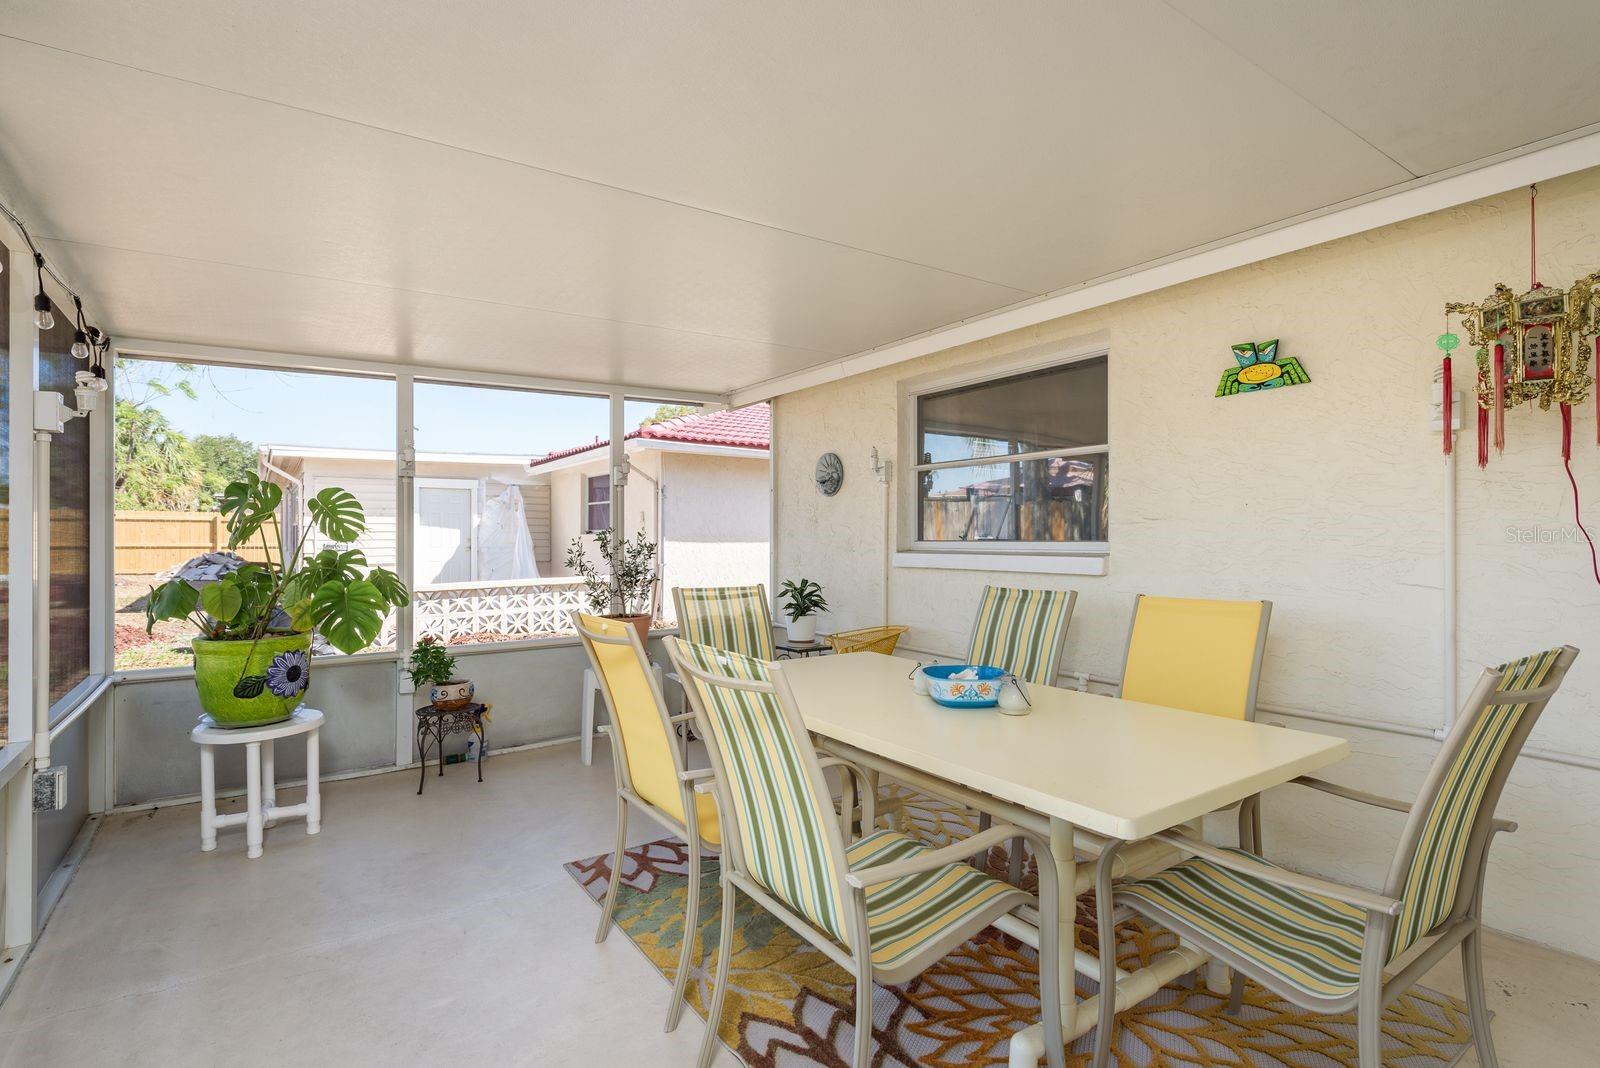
(329, 410)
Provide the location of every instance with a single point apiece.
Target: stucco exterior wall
(1327, 499)
(715, 511)
(718, 521)
(567, 504)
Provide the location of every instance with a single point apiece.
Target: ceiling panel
(747, 188)
(230, 180)
(199, 303)
(1033, 144)
(1434, 84)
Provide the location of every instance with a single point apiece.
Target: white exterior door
(446, 513)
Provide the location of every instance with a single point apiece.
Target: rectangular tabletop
(1119, 768)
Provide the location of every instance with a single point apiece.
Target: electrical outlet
(50, 790)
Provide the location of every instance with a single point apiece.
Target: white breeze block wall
(1325, 498)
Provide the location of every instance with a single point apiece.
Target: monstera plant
(256, 620)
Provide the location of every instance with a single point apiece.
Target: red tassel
(1566, 431)
(1499, 398)
(1445, 406)
(1483, 435)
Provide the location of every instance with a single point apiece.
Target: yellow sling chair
(648, 761)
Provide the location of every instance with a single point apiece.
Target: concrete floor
(441, 928)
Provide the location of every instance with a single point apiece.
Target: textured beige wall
(718, 522)
(1325, 498)
(567, 504)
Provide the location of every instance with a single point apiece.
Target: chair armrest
(698, 778)
(1362, 797)
(1350, 895)
(681, 717)
(837, 762)
(853, 779)
(954, 853)
(1350, 794)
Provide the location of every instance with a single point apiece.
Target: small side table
(261, 785)
(436, 723)
(788, 650)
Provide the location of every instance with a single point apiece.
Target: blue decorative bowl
(981, 692)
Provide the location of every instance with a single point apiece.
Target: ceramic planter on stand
(250, 684)
(453, 695)
(803, 629)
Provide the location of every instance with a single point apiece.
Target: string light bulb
(80, 337)
(42, 318)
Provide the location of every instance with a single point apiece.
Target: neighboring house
(700, 487)
(461, 504)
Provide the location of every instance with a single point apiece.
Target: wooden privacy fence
(149, 542)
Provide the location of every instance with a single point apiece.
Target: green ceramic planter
(274, 679)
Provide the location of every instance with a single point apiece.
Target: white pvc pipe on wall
(41, 597)
(1449, 579)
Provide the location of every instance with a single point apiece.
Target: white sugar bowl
(1013, 701)
(919, 681)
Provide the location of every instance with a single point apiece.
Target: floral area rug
(788, 1005)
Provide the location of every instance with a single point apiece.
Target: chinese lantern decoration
(1535, 348)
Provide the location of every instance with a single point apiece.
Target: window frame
(1064, 557)
(588, 505)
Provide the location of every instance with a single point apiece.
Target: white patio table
(1080, 762)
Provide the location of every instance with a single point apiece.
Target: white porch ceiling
(712, 194)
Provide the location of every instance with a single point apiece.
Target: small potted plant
(801, 601)
(252, 662)
(432, 666)
(628, 591)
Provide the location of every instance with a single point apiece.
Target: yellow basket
(868, 640)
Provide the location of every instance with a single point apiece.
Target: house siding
(373, 483)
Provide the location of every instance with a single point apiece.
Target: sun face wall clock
(1260, 367)
(829, 474)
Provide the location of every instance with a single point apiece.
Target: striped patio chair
(1022, 631)
(736, 619)
(1323, 945)
(648, 763)
(886, 907)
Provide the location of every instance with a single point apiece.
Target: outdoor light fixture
(41, 303)
(80, 337)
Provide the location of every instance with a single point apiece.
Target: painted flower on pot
(289, 674)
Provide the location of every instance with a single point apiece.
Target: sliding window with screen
(1014, 464)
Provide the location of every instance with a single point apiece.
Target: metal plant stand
(435, 724)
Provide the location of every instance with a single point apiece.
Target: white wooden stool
(261, 787)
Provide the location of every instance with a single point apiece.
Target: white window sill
(1030, 563)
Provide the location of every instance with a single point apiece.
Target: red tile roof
(749, 427)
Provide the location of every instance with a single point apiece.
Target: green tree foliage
(223, 458)
(664, 412)
(159, 467)
(156, 468)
